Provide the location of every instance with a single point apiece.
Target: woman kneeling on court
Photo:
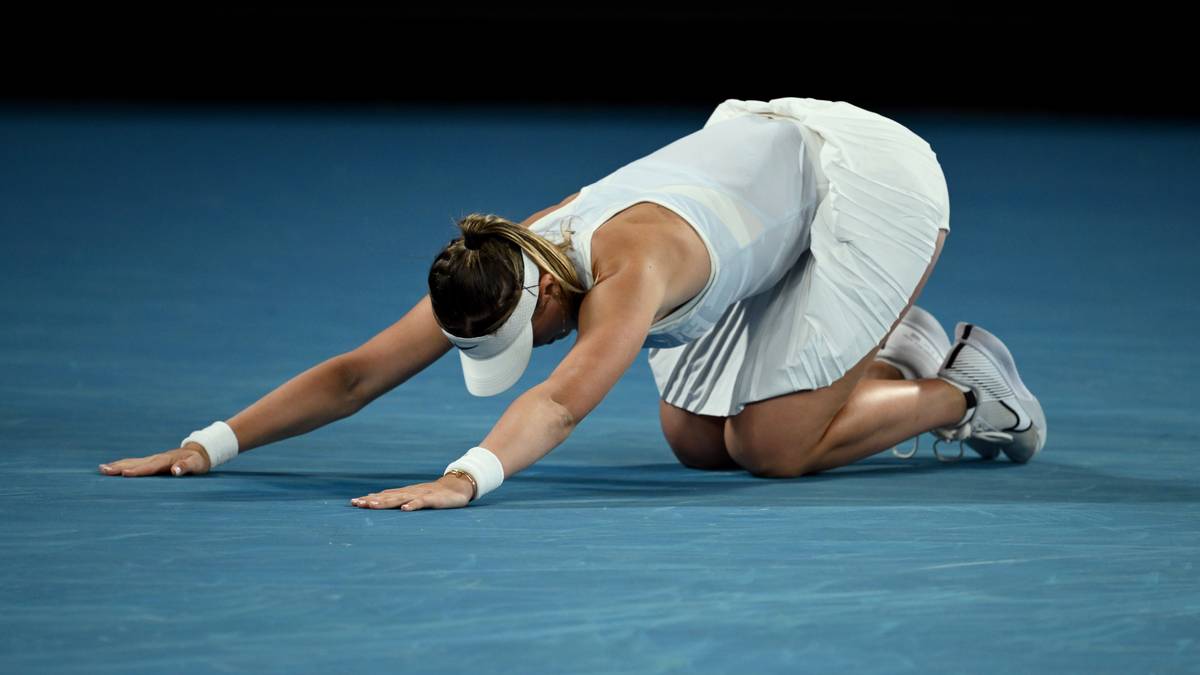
(769, 261)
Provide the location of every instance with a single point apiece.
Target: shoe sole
(1028, 442)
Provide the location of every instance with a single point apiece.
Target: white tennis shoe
(1002, 414)
(917, 348)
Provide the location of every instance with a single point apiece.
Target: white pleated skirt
(882, 200)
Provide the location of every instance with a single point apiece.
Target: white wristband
(218, 441)
(483, 466)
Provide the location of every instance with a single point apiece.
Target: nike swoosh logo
(1028, 420)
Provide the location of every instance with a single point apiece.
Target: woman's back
(744, 185)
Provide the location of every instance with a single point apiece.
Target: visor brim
(495, 374)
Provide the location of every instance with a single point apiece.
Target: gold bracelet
(464, 474)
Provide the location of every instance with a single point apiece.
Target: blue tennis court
(167, 266)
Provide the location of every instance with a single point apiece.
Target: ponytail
(475, 282)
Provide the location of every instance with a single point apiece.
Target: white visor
(494, 362)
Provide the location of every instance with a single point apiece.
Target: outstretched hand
(448, 492)
(179, 462)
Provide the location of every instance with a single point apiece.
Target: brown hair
(475, 282)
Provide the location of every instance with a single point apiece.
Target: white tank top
(746, 185)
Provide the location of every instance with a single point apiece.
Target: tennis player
(769, 262)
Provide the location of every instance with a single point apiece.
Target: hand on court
(444, 493)
(179, 462)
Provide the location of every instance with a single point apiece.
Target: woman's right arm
(400, 351)
(327, 392)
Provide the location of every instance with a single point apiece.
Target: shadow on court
(871, 483)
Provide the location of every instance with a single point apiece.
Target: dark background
(1128, 61)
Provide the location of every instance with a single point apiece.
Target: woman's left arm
(614, 319)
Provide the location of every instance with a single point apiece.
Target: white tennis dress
(819, 218)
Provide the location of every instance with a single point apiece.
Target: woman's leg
(879, 370)
(698, 441)
(853, 418)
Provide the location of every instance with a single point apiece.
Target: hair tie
(472, 241)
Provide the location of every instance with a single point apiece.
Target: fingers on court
(382, 500)
(148, 466)
(363, 499)
(146, 469)
(115, 468)
(189, 464)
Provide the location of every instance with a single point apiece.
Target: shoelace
(976, 428)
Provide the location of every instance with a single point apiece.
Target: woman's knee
(698, 441)
(769, 449)
(766, 461)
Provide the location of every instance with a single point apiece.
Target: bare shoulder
(644, 231)
(656, 240)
